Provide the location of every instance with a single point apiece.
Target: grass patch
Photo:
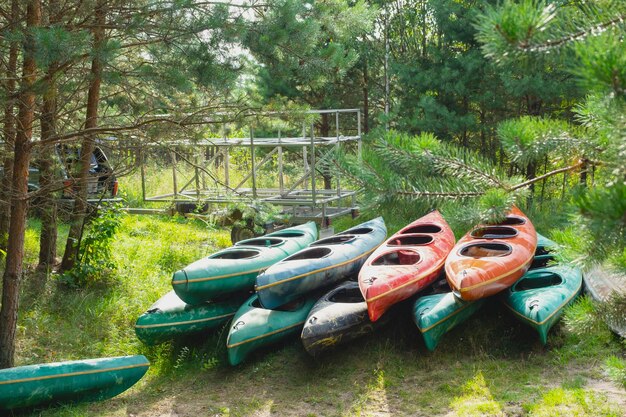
(492, 364)
(561, 402)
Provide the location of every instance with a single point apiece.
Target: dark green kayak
(170, 317)
(236, 268)
(73, 381)
(254, 326)
(435, 315)
(539, 297)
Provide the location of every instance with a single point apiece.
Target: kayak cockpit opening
(542, 250)
(541, 261)
(311, 253)
(264, 242)
(538, 280)
(399, 257)
(347, 295)
(481, 250)
(236, 254)
(334, 240)
(512, 221)
(290, 306)
(494, 232)
(358, 231)
(422, 228)
(411, 240)
(288, 233)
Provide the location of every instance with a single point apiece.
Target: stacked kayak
(406, 263)
(540, 296)
(437, 314)
(254, 326)
(337, 318)
(235, 269)
(170, 317)
(73, 381)
(490, 258)
(324, 263)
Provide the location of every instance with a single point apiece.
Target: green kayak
(73, 381)
(170, 317)
(539, 297)
(435, 315)
(236, 268)
(254, 326)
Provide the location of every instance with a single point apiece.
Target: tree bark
(9, 134)
(19, 194)
(93, 96)
(47, 200)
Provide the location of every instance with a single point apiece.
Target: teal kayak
(254, 326)
(170, 317)
(235, 268)
(435, 315)
(540, 296)
(73, 381)
(324, 263)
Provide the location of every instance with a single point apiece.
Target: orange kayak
(491, 257)
(406, 263)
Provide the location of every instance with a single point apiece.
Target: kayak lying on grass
(254, 326)
(73, 381)
(490, 258)
(406, 263)
(338, 317)
(235, 268)
(324, 263)
(540, 296)
(170, 317)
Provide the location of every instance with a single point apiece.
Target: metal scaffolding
(303, 198)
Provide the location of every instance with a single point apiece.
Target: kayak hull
(490, 258)
(539, 298)
(406, 263)
(339, 317)
(171, 317)
(236, 268)
(254, 326)
(324, 263)
(72, 381)
(435, 315)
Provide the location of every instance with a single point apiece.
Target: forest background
(466, 106)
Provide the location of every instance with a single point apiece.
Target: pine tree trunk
(80, 203)
(48, 237)
(19, 195)
(325, 131)
(9, 134)
(366, 101)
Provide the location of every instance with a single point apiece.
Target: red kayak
(406, 263)
(491, 257)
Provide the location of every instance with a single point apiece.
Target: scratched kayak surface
(72, 381)
(491, 258)
(339, 317)
(254, 326)
(171, 317)
(539, 298)
(324, 263)
(235, 268)
(406, 263)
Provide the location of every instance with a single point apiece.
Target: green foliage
(562, 402)
(616, 369)
(582, 319)
(95, 261)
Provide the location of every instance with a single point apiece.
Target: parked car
(102, 183)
